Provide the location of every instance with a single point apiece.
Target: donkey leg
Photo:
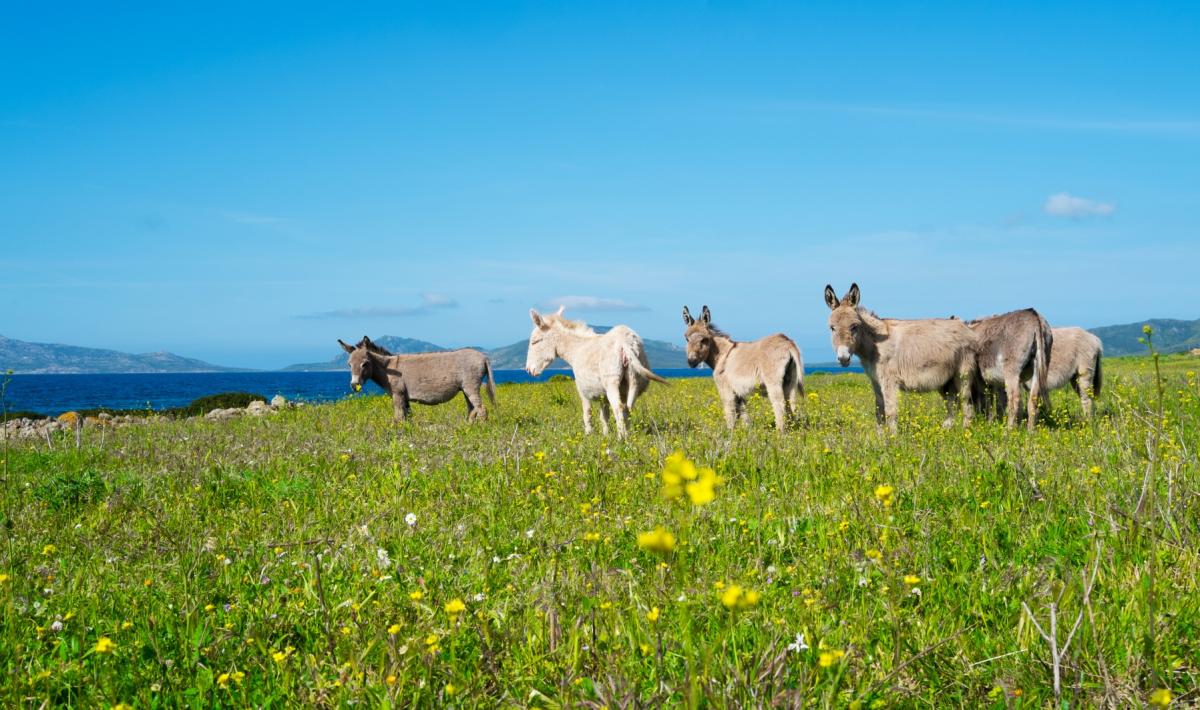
(1035, 396)
(1085, 380)
(964, 393)
(604, 415)
(400, 406)
(879, 416)
(891, 407)
(587, 414)
(618, 406)
(779, 406)
(949, 394)
(1012, 399)
(477, 411)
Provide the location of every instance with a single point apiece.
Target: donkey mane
(575, 326)
(713, 331)
(372, 346)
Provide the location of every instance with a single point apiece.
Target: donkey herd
(971, 363)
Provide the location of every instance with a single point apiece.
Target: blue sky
(246, 183)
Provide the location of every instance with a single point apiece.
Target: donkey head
(542, 343)
(846, 324)
(699, 336)
(361, 365)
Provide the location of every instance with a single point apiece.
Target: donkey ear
(345, 347)
(831, 298)
(687, 316)
(852, 296)
(537, 318)
(706, 315)
(561, 307)
(366, 341)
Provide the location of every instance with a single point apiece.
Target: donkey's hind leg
(779, 405)
(614, 400)
(587, 415)
(475, 409)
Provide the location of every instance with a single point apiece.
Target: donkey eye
(833, 327)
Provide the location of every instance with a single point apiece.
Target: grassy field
(326, 556)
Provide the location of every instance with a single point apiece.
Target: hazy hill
(1170, 336)
(45, 358)
(394, 343)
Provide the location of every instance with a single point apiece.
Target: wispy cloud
(430, 302)
(1066, 205)
(591, 303)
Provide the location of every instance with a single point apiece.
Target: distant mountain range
(1170, 336)
(661, 354)
(50, 358)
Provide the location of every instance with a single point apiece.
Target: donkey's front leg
(878, 390)
(965, 382)
(891, 406)
(400, 406)
(587, 414)
(779, 406)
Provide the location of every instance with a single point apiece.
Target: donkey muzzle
(843, 356)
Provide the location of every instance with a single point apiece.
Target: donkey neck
(722, 346)
(379, 368)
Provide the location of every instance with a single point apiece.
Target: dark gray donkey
(428, 378)
(1014, 347)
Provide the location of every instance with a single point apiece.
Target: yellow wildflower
(911, 579)
(735, 598)
(657, 540)
(652, 615)
(1095, 470)
(703, 490)
(874, 554)
(884, 494)
(126, 625)
(1162, 697)
(828, 658)
(455, 607)
(394, 629)
(390, 680)
(48, 550)
(450, 689)
(4, 578)
(223, 680)
(431, 640)
(416, 595)
(105, 645)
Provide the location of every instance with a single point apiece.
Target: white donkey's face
(542, 349)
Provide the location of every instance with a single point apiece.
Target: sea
(55, 394)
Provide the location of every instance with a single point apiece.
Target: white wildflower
(410, 519)
(798, 645)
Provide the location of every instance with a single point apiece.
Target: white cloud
(591, 303)
(429, 303)
(1066, 205)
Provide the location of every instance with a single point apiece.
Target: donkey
(1014, 347)
(1075, 359)
(739, 368)
(428, 378)
(611, 367)
(911, 355)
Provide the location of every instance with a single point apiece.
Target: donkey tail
(491, 380)
(1097, 376)
(1044, 340)
(795, 369)
(635, 364)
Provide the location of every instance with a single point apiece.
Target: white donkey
(611, 367)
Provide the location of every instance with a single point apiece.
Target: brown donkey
(772, 363)
(935, 354)
(428, 378)
(1014, 347)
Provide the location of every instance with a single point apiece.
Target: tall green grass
(309, 557)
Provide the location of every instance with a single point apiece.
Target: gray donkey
(1014, 347)
(739, 368)
(428, 378)
(1076, 359)
(933, 354)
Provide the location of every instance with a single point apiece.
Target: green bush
(67, 489)
(21, 414)
(225, 400)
